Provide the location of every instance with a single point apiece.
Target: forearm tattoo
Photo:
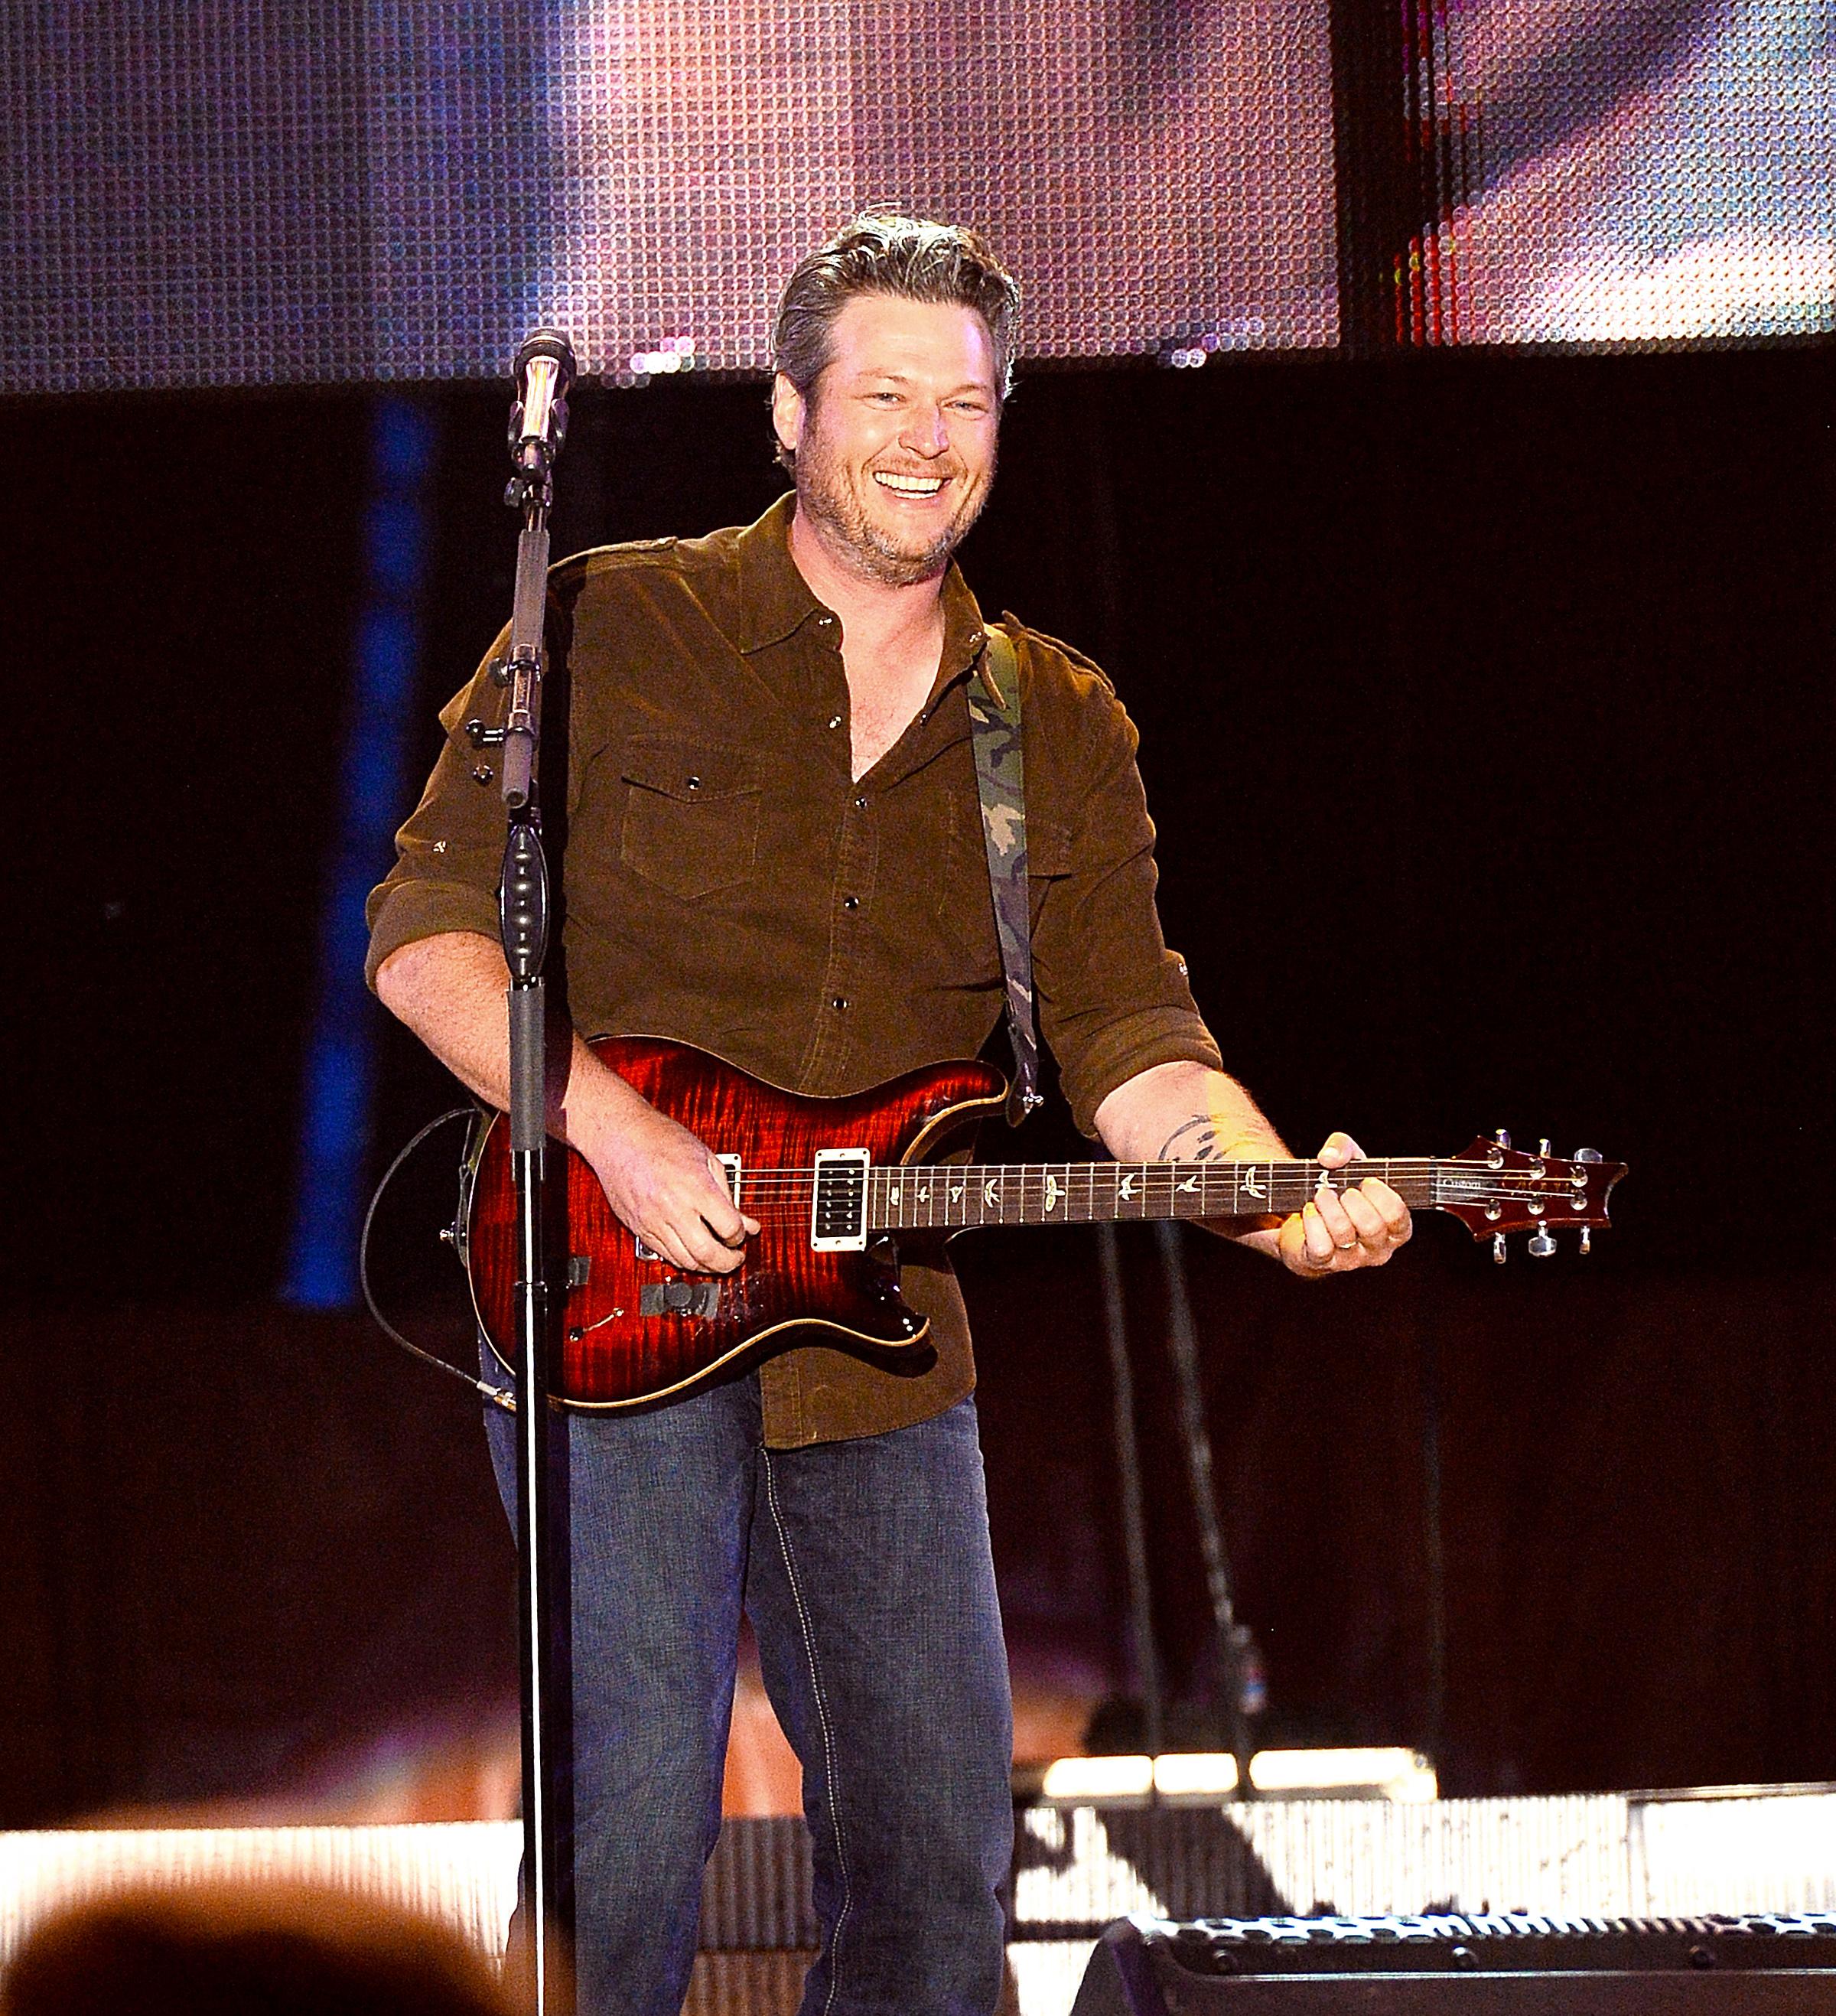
(1206, 1146)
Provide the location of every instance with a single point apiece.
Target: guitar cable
(498, 1396)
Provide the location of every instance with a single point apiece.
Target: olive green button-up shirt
(729, 883)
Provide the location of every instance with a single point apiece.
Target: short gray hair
(883, 252)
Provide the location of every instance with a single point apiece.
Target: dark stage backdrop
(1484, 702)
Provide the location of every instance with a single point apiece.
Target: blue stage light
(335, 1118)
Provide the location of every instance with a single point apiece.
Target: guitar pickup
(838, 1217)
(580, 1269)
(679, 1298)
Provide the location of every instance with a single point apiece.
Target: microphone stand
(1134, 1503)
(523, 913)
(1241, 1686)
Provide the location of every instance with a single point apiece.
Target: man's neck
(874, 613)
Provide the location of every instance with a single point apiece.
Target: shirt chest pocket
(691, 817)
(964, 889)
(1048, 859)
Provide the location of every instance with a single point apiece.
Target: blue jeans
(865, 1567)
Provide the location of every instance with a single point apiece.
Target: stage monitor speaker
(1493, 1964)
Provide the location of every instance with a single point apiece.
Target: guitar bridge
(838, 1218)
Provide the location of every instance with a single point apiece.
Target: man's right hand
(666, 1188)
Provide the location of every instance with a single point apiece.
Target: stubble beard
(823, 496)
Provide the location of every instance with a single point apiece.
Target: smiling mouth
(909, 486)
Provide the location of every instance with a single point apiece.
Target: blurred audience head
(267, 1949)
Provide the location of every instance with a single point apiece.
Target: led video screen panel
(1622, 172)
(232, 191)
(235, 191)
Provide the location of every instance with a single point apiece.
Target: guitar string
(895, 1194)
(1457, 1192)
(913, 1200)
(1153, 1172)
(1285, 1173)
(901, 1196)
(1069, 1212)
(1298, 1162)
(1368, 1163)
(884, 1177)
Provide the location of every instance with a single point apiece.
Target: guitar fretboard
(916, 1199)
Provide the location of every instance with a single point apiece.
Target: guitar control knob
(1497, 1247)
(1543, 1242)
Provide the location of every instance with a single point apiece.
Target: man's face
(895, 444)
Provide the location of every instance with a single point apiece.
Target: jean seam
(828, 1733)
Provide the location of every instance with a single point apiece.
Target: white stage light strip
(1746, 1852)
(463, 1874)
(1610, 1854)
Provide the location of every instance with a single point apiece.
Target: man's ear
(787, 413)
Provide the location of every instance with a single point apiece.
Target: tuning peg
(1497, 1247)
(1587, 1239)
(1543, 1242)
(1543, 1148)
(1502, 1137)
(1587, 1154)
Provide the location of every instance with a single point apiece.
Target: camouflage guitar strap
(1000, 783)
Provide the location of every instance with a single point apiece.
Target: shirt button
(692, 783)
(860, 801)
(851, 902)
(835, 721)
(838, 1003)
(825, 622)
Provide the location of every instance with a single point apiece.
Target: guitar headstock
(1494, 1189)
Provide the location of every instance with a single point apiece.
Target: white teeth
(910, 486)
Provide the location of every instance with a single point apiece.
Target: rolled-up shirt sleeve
(449, 853)
(1113, 1000)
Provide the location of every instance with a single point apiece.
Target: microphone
(544, 369)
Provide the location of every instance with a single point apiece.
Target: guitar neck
(942, 1196)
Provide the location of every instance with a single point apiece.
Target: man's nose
(924, 432)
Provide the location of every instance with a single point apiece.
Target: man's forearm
(450, 991)
(1188, 1113)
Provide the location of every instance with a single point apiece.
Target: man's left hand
(1340, 1230)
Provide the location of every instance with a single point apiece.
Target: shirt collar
(775, 600)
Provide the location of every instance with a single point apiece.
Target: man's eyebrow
(868, 375)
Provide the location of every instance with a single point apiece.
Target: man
(774, 850)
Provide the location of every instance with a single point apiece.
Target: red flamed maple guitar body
(614, 1354)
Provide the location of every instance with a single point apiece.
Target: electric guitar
(839, 1185)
